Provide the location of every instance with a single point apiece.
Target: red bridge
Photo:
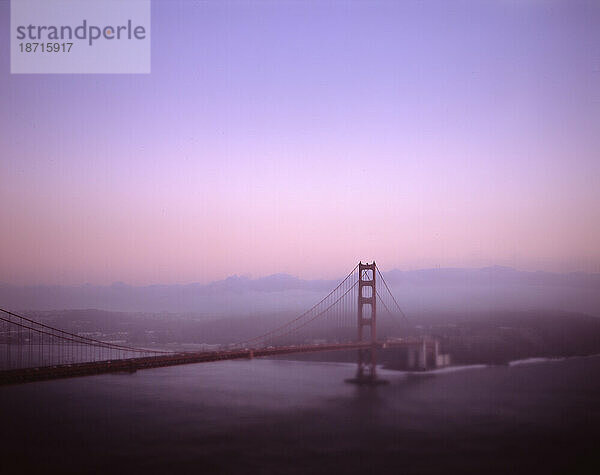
(33, 351)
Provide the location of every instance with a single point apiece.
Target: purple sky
(301, 137)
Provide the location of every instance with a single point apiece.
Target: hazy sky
(301, 137)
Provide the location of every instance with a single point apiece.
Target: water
(275, 416)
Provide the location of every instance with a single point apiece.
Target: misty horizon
(422, 290)
(290, 277)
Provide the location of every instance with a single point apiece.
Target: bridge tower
(367, 325)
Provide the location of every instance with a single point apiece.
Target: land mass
(495, 337)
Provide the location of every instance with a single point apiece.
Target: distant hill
(495, 275)
(418, 291)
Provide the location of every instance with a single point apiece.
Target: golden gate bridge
(345, 319)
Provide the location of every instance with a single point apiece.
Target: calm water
(266, 416)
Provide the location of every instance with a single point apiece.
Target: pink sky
(301, 138)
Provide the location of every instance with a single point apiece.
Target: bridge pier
(423, 355)
(366, 373)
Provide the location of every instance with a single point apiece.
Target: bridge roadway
(26, 375)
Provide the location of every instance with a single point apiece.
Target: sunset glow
(302, 139)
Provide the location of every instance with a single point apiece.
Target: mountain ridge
(277, 291)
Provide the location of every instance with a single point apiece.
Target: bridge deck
(25, 375)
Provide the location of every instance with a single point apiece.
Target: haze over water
(275, 416)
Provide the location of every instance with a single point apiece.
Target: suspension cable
(302, 315)
(79, 338)
(392, 295)
(318, 314)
